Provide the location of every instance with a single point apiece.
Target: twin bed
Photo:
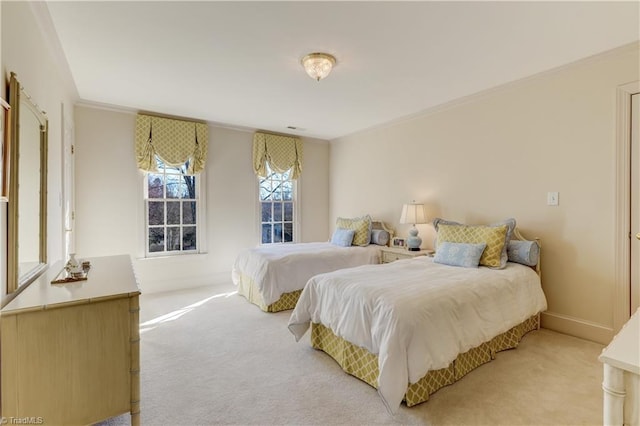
(410, 327)
(273, 276)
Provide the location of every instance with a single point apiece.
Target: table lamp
(413, 213)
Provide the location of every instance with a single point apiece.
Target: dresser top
(109, 277)
(624, 350)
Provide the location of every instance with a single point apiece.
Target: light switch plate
(553, 198)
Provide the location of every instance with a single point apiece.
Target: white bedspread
(416, 315)
(282, 268)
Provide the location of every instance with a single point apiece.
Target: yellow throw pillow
(361, 226)
(493, 236)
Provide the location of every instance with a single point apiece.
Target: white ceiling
(238, 63)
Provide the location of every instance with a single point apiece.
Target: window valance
(281, 152)
(174, 141)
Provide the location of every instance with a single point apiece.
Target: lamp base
(413, 241)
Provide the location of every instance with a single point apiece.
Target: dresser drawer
(391, 254)
(388, 257)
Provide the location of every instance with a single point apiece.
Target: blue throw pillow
(525, 252)
(459, 254)
(379, 237)
(343, 237)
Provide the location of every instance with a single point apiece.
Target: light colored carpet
(210, 357)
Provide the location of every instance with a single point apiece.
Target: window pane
(156, 212)
(288, 212)
(288, 232)
(266, 212)
(265, 190)
(287, 191)
(174, 186)
(156, 239)
(189, 238)
(190, 185)
(173, 212)
(277, 212)
(189, 212)
(155, 186)
(183, 189)
(277, 191)
(264, 194)
(266, 233)
(173, 238)
(277, 232)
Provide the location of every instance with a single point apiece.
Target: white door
(68, 187)
(634, 290)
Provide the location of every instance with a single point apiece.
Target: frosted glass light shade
(318, 65)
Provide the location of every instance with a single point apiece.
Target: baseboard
(577, 327)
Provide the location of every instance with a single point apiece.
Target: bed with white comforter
(267, 273)
(416, 315)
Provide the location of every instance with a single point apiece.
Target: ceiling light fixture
(318, 65)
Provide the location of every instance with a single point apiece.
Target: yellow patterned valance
(281, 152)
(174, 141)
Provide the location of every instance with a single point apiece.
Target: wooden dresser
(71, 352)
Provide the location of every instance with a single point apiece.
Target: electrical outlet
(553, 199)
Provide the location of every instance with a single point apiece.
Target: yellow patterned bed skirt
(248, 289)
(360, 363)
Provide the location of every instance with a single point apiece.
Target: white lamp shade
(413, 213)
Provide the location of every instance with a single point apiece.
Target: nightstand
(391, 254)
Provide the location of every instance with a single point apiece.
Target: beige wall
(110, 209)
(496, 155)
(26, 51)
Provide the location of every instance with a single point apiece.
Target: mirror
(27, 214)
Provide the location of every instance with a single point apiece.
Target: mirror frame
(16, 96)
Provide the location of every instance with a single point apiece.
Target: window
(171, 210)
(277, 204)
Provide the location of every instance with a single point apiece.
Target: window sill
(173, 256)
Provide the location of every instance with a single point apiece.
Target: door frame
(67, 195)
(621, 300)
